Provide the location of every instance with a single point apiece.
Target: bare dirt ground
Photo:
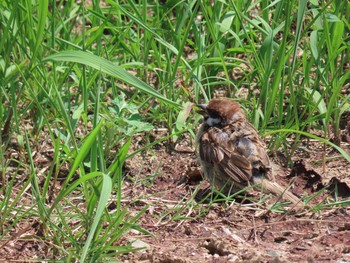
(240, 231)
(187, 229)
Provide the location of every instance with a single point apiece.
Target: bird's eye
(214, 114)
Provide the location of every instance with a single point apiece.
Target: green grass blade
(42, 10)
(109, 68)
(90, 140)
(105, 194)
(339, 149)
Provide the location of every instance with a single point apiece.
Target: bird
(231, 154)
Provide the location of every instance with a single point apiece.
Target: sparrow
(231, 154)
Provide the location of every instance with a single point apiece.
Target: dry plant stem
(324, 159)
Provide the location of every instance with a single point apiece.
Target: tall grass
(82, 79)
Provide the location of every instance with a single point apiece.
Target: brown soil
(238, 231)
(187, 228)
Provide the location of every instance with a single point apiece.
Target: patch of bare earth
(237, 232)
(185, 230)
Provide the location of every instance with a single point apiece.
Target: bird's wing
(250, 146)
(216, 147)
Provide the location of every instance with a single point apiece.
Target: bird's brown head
(221, 112)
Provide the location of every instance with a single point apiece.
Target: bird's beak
(202, 109)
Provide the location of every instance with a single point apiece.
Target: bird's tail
(268, 186)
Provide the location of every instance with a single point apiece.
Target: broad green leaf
(226, 23)
(77, 112)
(318, 99)
(313, 44)
(183, 115)
(107, 67)
(332, 18)
(337, 35)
